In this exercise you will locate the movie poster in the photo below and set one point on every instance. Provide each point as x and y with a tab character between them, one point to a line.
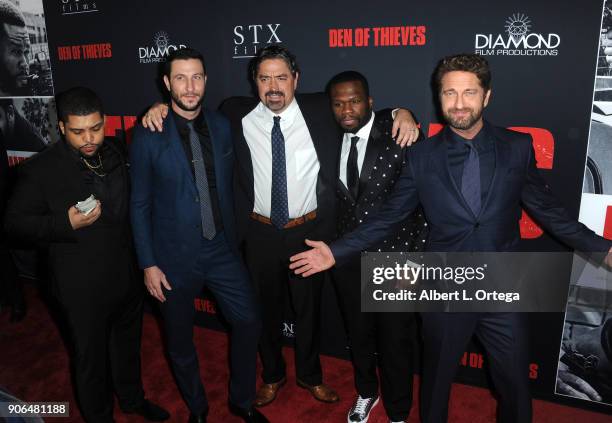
28	120
585	358
26	85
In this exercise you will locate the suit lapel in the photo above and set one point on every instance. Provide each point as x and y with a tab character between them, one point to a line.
245	162
217	147
440	162
174	139
374	148
502	152
319	138
241	147
340	184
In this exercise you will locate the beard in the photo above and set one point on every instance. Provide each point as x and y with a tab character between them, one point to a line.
275	105
463	123
361	122
177	99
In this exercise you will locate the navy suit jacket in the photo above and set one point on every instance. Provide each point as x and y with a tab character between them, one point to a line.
165	211
426	179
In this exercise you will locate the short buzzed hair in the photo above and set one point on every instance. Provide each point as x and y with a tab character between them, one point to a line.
77	101
472	63
348	76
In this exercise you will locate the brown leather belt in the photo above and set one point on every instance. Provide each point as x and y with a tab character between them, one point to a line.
292	222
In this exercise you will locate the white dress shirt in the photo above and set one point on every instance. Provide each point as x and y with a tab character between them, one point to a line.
300	156
362	144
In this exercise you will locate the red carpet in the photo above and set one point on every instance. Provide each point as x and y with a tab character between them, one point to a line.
34	367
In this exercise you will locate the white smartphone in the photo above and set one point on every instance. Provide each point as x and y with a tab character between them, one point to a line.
87	205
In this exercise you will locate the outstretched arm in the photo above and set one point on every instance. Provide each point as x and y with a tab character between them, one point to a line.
401	203
550	213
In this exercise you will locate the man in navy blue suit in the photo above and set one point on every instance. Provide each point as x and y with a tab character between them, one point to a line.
183	223
471	180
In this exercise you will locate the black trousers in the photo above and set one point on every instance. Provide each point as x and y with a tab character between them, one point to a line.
11	286
219	269
267	252
505	338
377	339
106	337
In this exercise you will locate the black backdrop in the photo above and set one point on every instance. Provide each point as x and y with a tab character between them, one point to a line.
115	48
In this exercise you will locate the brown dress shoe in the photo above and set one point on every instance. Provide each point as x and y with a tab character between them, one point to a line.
267	392
321	392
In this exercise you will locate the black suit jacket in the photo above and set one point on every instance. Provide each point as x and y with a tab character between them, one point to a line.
426	179
324	133
94	262
382	166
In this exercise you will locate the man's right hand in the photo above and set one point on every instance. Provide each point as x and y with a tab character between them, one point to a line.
154	278
315	260
79	220
570	384
154	118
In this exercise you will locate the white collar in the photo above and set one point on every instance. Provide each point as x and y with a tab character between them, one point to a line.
287	116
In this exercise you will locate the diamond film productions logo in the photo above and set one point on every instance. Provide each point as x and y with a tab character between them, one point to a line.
160	50
248	39
74	7
518	40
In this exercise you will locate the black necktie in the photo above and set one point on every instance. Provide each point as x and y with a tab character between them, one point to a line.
279	207
201	179
470	180
352	170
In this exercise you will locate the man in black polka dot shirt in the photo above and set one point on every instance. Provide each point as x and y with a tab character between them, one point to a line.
370	163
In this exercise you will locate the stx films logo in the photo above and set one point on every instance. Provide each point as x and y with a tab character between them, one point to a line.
518	40
73	7
248	39
160	49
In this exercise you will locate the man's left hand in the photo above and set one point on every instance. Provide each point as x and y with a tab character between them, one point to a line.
405	130
608	259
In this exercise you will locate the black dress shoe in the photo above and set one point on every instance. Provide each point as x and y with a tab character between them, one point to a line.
151	412
198	418
251	415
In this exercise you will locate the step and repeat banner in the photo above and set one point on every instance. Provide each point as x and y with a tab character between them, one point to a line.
551	78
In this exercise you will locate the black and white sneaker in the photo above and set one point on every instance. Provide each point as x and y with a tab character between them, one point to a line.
360	411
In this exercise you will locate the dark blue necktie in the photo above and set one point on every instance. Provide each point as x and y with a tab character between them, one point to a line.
470	180
279	213
201	179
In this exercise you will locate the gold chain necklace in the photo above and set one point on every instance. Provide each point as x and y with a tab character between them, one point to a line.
93	168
